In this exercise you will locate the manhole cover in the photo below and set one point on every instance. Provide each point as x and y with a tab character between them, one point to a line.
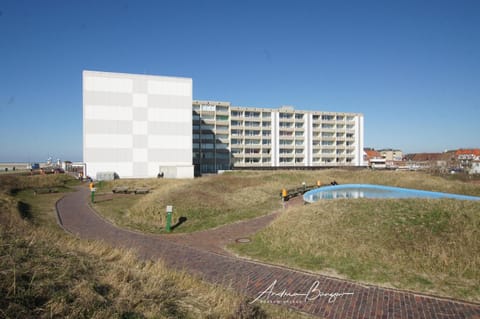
243	240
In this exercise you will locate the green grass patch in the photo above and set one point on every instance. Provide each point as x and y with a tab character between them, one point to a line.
418	244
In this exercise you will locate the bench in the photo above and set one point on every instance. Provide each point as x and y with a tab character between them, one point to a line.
143	190
120	189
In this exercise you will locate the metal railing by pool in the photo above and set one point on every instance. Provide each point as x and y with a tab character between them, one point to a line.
375	191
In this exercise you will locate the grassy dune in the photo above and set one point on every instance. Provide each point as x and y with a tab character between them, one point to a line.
46	273
424	245
213	201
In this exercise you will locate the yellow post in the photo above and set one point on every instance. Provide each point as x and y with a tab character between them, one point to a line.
319	183
284	193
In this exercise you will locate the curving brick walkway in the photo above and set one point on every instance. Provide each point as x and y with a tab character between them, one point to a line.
319	295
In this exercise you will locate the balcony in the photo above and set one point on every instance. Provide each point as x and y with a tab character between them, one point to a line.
222	123
222	110
250	124
222	141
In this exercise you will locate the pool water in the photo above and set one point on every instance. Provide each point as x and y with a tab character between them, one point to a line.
375	191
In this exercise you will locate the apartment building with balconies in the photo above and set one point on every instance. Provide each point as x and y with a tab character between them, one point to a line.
211	136
142	126
265	137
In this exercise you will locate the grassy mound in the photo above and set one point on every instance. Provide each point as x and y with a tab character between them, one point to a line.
423	245
46	273
217	200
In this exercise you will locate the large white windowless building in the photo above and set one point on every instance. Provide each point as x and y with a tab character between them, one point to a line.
137	125
142	125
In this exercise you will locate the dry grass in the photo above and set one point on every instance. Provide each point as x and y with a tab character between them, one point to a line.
206	202
45	273
213	201
423	245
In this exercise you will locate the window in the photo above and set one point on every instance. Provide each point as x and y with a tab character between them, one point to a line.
222	117
285	151
252	124
286	116
237	132
222	108
207	146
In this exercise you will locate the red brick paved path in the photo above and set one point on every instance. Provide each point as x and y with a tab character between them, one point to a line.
251	278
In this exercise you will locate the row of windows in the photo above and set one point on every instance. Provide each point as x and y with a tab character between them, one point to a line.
211	155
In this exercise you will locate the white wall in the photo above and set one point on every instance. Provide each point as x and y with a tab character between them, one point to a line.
359	161
134	124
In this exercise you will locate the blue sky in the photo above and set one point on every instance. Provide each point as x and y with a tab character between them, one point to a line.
411	67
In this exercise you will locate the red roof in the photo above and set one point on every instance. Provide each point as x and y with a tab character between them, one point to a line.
373	154
474	151
424	157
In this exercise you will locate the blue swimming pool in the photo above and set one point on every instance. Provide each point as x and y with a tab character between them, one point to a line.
375	191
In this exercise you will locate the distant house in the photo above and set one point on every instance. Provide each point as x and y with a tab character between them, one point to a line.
426	160
374	159
468	154
475	169
391	154
467	157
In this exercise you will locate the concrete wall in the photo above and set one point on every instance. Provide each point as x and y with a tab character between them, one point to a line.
135	124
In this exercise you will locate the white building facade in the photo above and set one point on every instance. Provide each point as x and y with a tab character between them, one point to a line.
227	136
140	126
137	126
